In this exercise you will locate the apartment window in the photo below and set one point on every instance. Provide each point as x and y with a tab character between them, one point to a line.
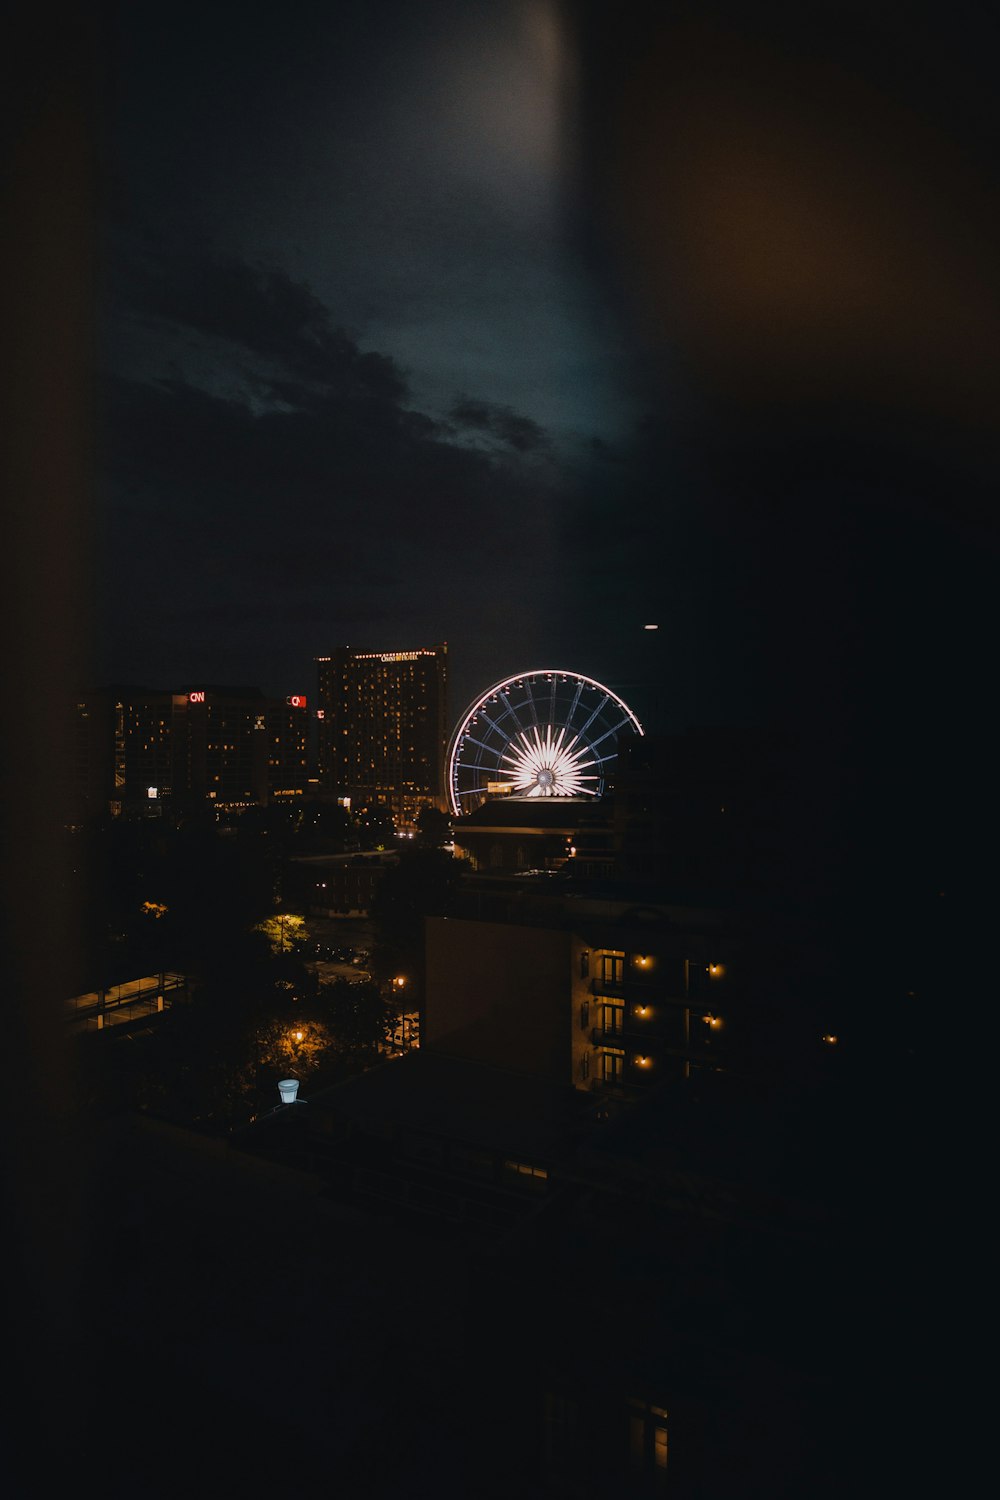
612	1016
612	967
526	1172
612	1065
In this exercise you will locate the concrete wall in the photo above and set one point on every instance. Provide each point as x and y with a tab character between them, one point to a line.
500	993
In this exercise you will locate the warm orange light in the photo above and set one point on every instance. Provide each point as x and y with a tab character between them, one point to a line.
642	1062
831	1041
716	971
299	1035
641	1010
713	1021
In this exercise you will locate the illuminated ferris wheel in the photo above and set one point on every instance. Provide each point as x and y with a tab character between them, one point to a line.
539	734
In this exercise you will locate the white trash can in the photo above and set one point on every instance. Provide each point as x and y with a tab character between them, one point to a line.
288	1088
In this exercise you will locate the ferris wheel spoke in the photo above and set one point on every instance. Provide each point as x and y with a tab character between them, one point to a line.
495	727
620	725
598	710
532	707
471	740
513	713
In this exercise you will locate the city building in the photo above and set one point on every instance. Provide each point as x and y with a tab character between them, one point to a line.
382	729
597	990
138	751
517	834
336	885
288	748
119	753
220	750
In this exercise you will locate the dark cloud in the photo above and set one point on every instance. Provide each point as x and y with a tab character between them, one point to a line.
265	311
295	494
267	482
516	431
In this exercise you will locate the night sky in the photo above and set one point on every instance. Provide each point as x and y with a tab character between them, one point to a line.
524	326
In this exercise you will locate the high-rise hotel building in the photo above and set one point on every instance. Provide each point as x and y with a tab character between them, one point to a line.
383	728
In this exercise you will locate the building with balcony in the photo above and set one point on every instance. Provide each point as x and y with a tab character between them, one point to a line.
599	992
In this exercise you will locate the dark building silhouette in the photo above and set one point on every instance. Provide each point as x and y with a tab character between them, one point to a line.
514	834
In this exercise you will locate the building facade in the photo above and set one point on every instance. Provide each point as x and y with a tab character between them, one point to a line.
138	751
287	748
597	993
220	747
383	728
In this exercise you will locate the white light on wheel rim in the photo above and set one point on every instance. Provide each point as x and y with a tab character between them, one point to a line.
540	734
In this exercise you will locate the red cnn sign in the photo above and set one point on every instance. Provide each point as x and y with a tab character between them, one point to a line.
196	697
297	700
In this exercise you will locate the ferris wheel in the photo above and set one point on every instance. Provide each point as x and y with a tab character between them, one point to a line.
539	734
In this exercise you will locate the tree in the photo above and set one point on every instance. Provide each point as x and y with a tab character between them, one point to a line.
433	827
294	1047
376	827
421	885
285	932
360	1017
325	827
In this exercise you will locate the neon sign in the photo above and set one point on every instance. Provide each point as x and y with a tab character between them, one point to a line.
198	697
297	700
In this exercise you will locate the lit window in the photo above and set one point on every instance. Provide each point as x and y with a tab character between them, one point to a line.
612	967
648	1440
612	1016
612	1064
525	1169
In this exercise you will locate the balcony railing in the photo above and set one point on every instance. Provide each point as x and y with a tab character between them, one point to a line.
649	986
